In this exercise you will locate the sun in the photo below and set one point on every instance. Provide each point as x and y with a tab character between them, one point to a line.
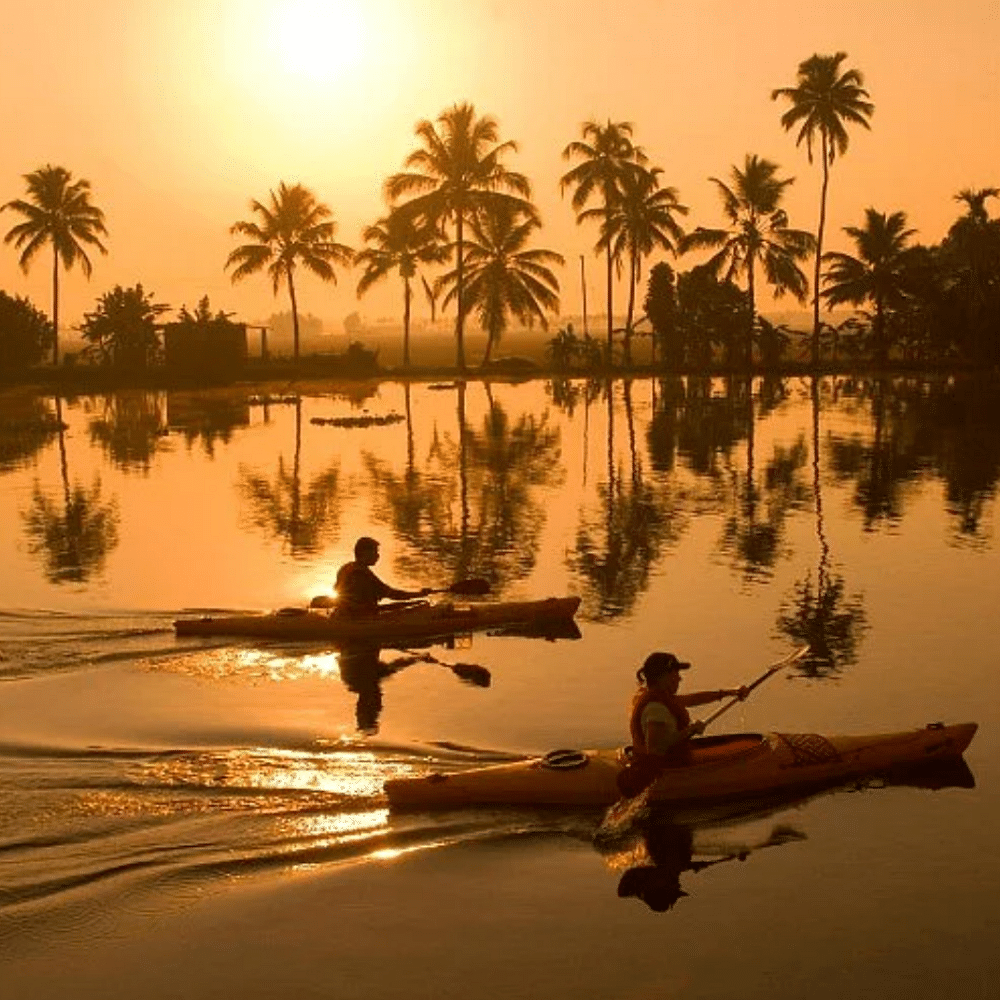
319	40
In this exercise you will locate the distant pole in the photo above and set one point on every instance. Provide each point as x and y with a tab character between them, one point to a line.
583	286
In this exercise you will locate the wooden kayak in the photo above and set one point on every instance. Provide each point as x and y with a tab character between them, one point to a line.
423	620
722	767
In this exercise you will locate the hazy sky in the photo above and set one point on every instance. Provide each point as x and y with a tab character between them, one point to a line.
180	111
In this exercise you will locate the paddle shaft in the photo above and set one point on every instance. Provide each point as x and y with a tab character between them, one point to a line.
770	672
473	587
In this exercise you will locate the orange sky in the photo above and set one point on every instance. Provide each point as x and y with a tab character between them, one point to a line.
180	111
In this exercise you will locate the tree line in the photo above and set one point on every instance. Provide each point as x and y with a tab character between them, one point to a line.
456	205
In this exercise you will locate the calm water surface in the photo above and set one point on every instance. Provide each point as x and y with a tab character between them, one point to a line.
148	782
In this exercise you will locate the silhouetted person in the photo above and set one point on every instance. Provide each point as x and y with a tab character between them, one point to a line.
359	590
660	724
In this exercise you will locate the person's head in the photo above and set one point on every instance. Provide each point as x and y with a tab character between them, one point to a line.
662	670
659	888
366	551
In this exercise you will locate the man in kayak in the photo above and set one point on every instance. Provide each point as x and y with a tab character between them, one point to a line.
359	590
660	724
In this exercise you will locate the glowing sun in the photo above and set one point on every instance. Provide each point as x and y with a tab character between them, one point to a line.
320	40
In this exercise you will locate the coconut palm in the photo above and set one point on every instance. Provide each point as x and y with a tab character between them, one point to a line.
878	274
758	231
638	222
455	174
971	252
503	278
293	230
58	210
606	154
823	102
398	243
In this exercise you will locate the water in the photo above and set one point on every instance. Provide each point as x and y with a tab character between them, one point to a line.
212	806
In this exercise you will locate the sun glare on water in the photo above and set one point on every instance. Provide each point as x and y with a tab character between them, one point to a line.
319	40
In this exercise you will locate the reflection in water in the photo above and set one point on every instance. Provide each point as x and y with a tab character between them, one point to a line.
473	507
668	852
208	417
132	427
948	427
825	619
278	506
27	425
363	670
662	844
75	536
617	547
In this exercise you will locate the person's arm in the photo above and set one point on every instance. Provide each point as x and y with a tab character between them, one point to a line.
394	594
706	697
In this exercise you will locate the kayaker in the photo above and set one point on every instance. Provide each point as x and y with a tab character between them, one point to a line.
359	590
660	724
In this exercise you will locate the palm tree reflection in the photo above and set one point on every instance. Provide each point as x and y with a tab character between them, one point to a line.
302	520
473	508
617	547
75	536
825	618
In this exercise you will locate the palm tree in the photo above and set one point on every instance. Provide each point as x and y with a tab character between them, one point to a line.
454	175
397	243
606	154
58	211
503	278
637	223
878	274
823	101
295	229
758	231
971	252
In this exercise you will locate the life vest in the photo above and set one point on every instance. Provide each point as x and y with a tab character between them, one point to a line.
639	703
643	767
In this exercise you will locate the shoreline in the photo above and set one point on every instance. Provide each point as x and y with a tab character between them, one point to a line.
82	381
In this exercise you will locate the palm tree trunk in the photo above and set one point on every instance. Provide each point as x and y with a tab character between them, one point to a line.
583	289
463	478
751	295
819	249
610	311
406	322
881	353
55	305
460	289
295	316
633	278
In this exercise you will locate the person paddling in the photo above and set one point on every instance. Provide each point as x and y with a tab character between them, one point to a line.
660	724
359	590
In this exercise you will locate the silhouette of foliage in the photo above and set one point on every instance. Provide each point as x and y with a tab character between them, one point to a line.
26	335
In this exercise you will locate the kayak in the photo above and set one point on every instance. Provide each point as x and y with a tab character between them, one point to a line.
722	767
413	621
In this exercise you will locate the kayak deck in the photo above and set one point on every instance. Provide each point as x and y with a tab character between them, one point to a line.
721	767
424	620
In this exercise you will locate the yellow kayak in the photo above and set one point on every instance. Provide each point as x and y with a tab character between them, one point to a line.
417	621
722	767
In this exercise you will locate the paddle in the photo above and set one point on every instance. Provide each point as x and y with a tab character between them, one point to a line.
775	667
474	587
